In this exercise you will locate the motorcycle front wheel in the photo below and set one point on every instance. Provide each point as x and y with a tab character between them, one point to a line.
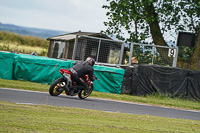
85	93
56	87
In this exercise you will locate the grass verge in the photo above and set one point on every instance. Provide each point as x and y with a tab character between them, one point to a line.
43	118
22	49
151	99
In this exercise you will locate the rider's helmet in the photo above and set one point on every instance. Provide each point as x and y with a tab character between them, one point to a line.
91	61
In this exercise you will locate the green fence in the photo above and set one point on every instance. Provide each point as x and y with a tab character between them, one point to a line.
45	70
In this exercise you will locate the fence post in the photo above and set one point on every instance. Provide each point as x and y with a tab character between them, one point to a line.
130	55
121	53
153	55
175	58
98	51
75	47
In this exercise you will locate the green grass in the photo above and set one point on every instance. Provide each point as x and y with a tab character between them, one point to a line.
22	48
151	99
42	118
18	84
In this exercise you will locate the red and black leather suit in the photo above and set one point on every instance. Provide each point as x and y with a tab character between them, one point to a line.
79	70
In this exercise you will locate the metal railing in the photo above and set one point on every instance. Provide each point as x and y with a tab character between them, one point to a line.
102	50
153	54
111	52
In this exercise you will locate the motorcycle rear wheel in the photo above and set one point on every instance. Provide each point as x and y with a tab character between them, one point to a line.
56	87
83	94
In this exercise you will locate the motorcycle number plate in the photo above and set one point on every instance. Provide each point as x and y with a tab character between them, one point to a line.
67	76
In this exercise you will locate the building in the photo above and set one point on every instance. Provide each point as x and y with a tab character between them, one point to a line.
80	45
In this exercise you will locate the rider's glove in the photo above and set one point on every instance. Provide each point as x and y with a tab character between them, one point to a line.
95	77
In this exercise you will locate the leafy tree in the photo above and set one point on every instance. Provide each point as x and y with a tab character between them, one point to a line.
153	18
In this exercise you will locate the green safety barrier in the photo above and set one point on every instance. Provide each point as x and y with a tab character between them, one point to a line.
38	69
110	79
45	70
6	65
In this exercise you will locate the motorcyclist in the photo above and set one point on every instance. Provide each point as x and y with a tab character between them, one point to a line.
79	70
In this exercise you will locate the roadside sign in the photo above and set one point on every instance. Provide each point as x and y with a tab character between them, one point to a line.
172	52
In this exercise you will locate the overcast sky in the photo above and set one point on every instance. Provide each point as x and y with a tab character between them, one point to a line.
65	15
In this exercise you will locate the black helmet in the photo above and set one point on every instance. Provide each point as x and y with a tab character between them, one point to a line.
91	61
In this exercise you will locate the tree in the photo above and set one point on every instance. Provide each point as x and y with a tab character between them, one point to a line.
153	18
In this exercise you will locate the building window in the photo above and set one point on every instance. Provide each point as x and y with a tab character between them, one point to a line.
58	49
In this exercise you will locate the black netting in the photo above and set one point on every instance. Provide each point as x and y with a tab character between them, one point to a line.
174	82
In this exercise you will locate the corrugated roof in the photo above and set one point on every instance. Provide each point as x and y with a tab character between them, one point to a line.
63	37
71	36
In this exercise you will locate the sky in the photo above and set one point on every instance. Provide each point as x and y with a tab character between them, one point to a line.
64	15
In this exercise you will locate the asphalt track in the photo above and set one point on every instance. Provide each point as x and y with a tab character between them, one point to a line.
38	98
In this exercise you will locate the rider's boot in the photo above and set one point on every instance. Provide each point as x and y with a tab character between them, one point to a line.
86	90
77	88
72	90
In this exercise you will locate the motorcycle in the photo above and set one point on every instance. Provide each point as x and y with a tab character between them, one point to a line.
66	82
